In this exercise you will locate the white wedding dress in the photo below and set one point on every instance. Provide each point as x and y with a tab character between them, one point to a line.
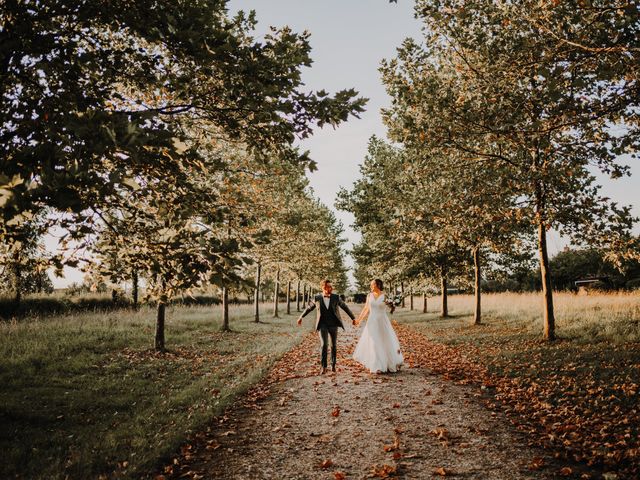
378	348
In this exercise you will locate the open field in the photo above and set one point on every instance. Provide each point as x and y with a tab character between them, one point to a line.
84	394
578	395
600	317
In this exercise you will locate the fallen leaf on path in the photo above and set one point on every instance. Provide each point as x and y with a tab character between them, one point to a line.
395	445
339	476
443	472
326	463
566	471
383	471
336	411
441	433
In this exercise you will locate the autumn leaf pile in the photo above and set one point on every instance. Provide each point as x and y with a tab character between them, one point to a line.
580	401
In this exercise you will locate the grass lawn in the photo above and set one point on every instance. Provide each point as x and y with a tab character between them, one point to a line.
581	393
84	394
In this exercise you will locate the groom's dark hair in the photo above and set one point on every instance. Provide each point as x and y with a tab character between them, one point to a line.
324	283
379	283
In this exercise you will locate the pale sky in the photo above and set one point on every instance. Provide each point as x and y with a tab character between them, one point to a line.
349	38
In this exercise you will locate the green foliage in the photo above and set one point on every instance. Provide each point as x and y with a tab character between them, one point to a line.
24	260
395	210
93	95
513	106
571	265
116	119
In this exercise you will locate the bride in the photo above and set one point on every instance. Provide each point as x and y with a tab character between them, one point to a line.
378	348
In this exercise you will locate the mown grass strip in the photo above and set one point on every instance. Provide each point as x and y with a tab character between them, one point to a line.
85	395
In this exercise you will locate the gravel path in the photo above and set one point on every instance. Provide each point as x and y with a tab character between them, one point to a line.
352	424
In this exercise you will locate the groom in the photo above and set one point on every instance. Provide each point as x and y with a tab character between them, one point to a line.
327	321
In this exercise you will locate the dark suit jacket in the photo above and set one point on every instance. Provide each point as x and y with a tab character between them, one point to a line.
334	302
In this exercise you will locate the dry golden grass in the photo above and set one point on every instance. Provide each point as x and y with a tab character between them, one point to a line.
614	316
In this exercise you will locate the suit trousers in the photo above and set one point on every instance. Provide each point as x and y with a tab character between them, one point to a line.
324	333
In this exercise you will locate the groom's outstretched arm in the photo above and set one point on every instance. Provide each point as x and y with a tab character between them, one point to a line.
344	307
309	309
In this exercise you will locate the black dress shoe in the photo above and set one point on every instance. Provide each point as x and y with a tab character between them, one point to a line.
333	368
323	370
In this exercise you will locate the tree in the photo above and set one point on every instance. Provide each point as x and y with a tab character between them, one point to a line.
94	95
24	261
495	89
401	239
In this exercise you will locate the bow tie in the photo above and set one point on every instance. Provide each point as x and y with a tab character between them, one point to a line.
327	296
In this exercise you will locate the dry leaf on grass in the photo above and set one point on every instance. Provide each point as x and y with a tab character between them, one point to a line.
537	463
566	471
336	411
339	476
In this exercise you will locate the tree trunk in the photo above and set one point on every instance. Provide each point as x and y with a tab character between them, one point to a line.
159	340
134	288
402	293
298	296
17	283
478	278
547	292
444	311
225	310
411	298
424	302
39	280
289	297
304	297
257	297
276	294
114	295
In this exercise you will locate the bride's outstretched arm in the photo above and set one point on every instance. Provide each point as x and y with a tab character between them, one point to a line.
363	313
